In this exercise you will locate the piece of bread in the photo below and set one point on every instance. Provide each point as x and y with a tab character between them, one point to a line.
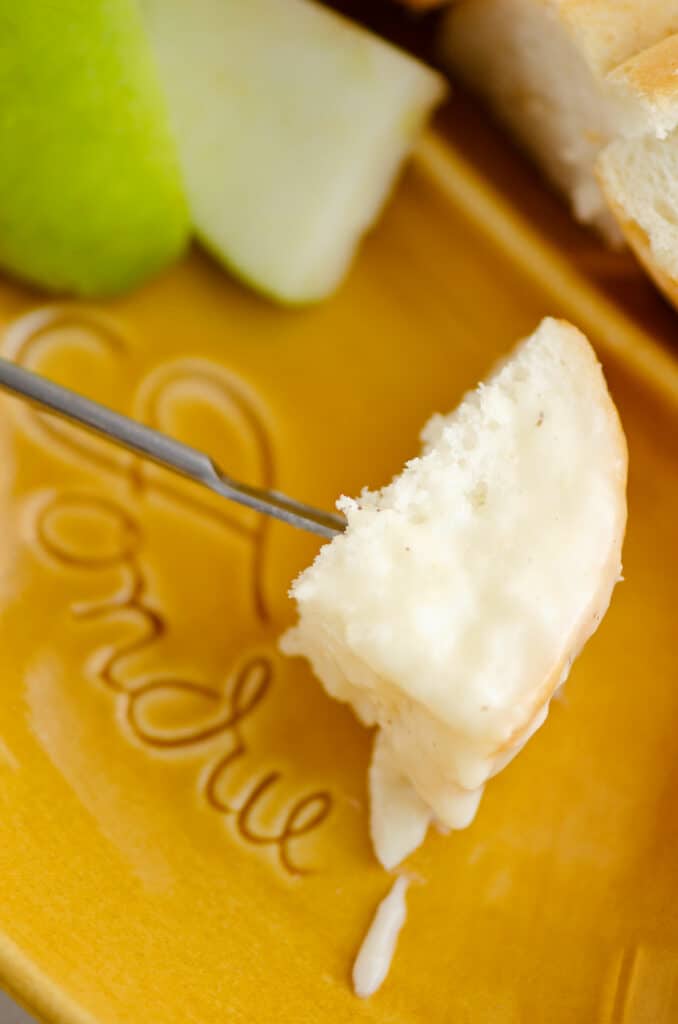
452	607
641	185
609	32
568	77
639	178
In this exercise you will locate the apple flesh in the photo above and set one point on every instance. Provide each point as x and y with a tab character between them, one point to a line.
292	124
91	197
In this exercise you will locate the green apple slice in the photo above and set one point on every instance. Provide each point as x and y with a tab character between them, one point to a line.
91	197
292	123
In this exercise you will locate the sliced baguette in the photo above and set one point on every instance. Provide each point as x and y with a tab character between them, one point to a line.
640	182
452	607
639	177
568	77
609	32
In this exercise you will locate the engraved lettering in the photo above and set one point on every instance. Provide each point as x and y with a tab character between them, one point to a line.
248	686
28	338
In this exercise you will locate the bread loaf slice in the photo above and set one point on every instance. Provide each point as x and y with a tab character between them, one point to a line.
641	184
639	178
452	607
568	77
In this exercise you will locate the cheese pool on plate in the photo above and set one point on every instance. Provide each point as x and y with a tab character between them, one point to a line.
376	953
451	609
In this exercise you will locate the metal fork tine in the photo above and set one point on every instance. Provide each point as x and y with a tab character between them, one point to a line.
162	449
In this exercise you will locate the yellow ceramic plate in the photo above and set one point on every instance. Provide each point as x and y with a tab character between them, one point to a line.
184	831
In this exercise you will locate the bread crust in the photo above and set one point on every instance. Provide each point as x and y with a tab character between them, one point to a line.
610	32
631	51
610	573
652	72
640	243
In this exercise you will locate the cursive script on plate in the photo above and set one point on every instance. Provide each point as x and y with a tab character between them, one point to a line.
229	708
45	330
